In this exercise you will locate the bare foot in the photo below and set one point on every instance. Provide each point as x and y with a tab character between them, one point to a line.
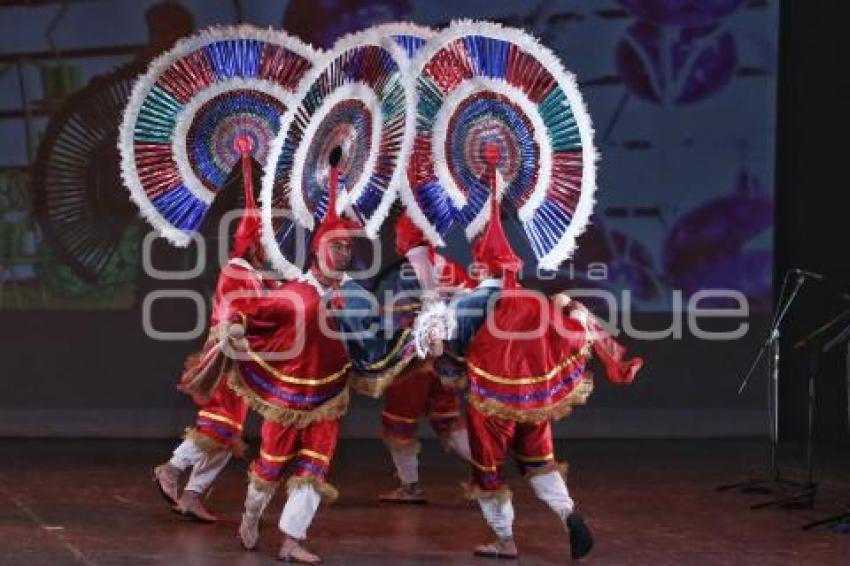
189	505
292	551
167	479
498	549
409	493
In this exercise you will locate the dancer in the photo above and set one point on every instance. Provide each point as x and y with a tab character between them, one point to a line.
424	276
526	358
210	103
217	434
303	397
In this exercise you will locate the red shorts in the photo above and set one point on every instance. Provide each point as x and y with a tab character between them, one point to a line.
490	438
416	395
311	448
222	418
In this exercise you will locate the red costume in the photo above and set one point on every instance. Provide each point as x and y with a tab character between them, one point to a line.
218	424
223	412
526	366
303	394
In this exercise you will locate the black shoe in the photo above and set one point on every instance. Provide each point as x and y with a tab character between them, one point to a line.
581	541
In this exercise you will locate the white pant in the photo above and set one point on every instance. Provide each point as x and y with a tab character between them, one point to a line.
186	454
406	460
499	514
298	513
406	457
205	465
458	442
552	490
549	488
256	501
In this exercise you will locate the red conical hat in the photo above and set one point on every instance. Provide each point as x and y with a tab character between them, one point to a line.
249	229
492	248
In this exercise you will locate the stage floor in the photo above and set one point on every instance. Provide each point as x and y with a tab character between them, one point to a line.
92	502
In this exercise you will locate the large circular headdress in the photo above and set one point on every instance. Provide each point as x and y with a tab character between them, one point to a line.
75	174
198	104
480	83
359	98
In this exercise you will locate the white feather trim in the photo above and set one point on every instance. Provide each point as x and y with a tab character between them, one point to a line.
267	213
351	90
404	189
143	86
567	82
382	36
435	315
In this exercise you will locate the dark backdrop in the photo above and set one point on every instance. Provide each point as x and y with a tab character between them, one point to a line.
812	224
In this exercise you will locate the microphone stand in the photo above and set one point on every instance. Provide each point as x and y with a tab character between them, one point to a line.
774	481
842	337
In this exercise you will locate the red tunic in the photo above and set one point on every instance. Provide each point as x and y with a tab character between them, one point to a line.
238	283
527	361
294	370
205	372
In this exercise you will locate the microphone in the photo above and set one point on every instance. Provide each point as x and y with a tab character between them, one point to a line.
810	274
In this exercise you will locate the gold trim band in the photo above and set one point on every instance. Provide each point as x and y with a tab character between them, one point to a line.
297	380
583	353
270	458
314	454
219	418
380	364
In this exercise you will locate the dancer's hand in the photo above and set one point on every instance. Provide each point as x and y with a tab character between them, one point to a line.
236	331
236	336
435	341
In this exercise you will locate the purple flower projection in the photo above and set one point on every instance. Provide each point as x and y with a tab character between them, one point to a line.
696	13
675	66
677	52
628	265
725	243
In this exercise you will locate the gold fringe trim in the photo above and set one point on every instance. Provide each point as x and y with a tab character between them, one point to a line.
561	467
375	385
204	442
262	484
559	410
328	492
333	409
474	493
